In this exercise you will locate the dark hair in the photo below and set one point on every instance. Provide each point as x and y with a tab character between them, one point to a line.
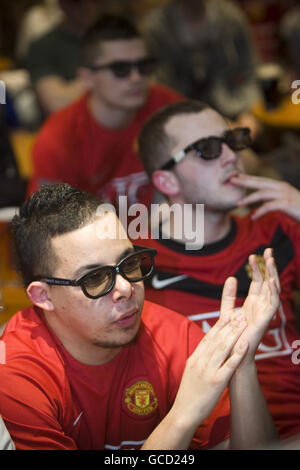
154	143
107	28
53	210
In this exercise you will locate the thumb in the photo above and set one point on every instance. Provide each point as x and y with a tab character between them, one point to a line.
228	296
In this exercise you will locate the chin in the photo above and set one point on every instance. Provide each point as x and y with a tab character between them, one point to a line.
117	343
224	205
135	101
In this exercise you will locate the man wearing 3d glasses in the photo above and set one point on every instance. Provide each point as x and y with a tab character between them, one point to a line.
194	157
92	143
92	365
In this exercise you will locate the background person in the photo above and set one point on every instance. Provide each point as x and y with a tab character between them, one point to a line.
53	59
92	143
194	158
206	52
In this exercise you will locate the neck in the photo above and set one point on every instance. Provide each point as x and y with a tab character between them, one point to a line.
197	227
108	116
217	226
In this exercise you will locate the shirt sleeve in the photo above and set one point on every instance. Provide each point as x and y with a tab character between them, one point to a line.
53	157
33	409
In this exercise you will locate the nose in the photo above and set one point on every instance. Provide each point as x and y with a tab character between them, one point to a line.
123	289
228	155
135	74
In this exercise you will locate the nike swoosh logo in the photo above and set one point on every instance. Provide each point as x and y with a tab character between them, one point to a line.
161	283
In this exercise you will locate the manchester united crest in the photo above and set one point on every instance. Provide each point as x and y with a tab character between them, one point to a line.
140	398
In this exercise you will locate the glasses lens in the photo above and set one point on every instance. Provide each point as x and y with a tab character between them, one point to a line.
210	148
137	266
146	66
238	139
98	282
121	69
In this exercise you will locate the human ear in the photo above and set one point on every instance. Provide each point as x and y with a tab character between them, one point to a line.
38	292
166	182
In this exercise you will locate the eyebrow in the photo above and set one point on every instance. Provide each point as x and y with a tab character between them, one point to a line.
90	267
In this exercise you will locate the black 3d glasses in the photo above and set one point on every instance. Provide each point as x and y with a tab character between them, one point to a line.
123	68
210	148
135	267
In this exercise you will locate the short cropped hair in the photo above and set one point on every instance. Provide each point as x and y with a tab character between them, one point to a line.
154	143
107	28
53	210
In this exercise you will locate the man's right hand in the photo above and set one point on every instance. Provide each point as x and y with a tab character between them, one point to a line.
207	373
210	368
273	195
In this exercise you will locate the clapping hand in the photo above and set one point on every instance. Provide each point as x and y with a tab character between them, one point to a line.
261	303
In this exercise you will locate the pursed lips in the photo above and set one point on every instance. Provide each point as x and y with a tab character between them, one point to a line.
126	315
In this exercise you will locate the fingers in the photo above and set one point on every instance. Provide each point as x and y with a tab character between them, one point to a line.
255	182
257	277
228	297
267	189
271	269
258	196
226	339
275	205
271	286
275	195
259	280
234	360
217	344
231	351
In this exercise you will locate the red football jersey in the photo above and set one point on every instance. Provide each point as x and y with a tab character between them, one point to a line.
191	283
49	400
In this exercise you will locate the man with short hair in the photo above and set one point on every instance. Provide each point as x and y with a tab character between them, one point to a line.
194	157
91	365
92	143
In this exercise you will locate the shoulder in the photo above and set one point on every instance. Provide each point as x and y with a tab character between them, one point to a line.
32	370
48	39
65	119
274	229
268	222
27	340
35	392
44	43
